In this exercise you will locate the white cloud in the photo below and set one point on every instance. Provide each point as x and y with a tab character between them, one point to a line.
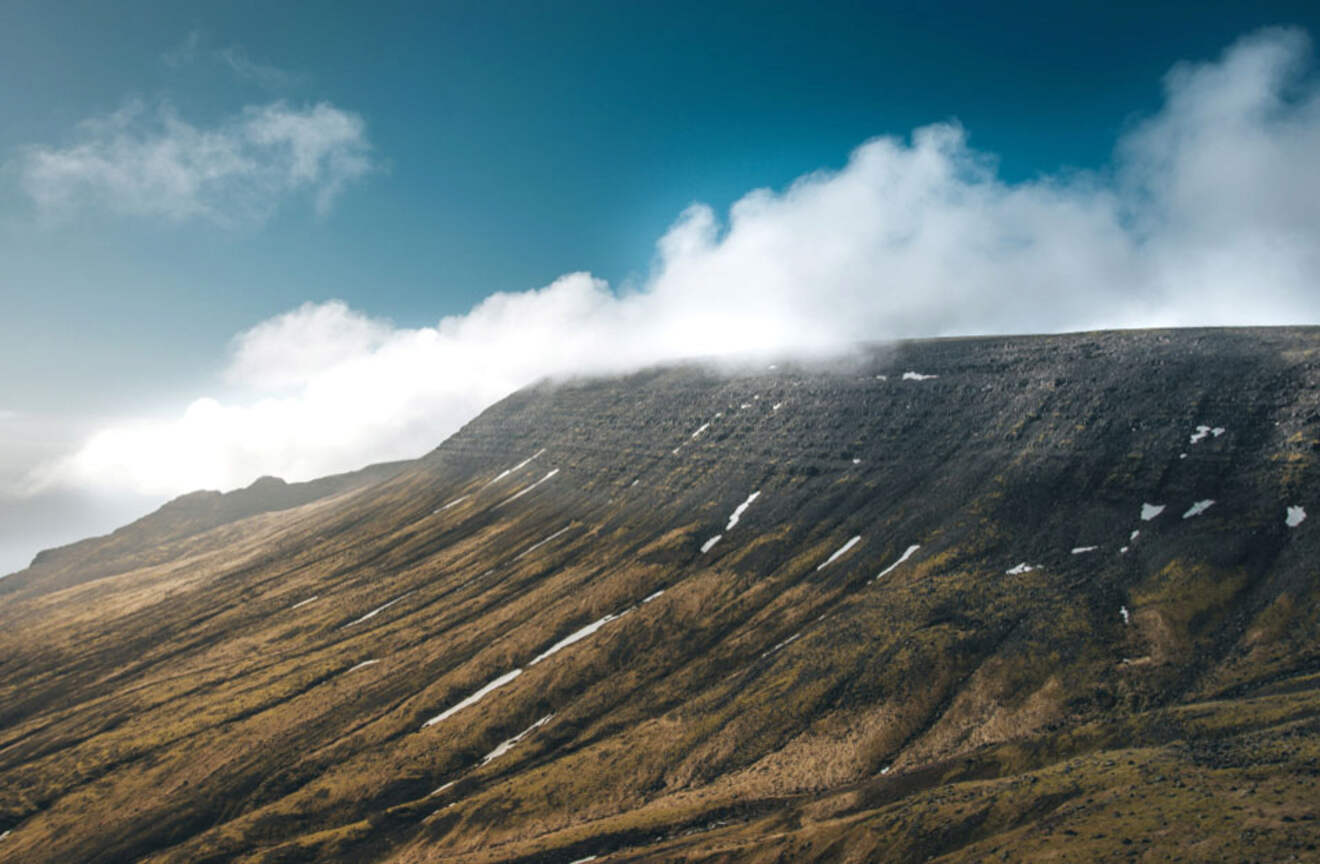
1210	214
192	49
263	74
148	161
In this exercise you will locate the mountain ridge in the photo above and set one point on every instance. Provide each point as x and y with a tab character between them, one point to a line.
186	515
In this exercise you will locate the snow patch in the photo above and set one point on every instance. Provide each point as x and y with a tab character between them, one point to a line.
363	665
741	509
1134	535
1150	511
775	407
474	698
523	464
576	636
1082	550
302	603
1123	613
518	495
917	376
518	467
792	638
440	789
1202	431
710	544
1024	567
839	552
452	503
651	597
702	428
379	609
506	746
536	546
1295	516
907	553
1199	507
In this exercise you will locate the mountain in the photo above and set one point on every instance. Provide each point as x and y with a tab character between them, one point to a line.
156	537
1015	598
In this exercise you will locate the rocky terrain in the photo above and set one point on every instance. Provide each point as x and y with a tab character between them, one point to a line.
1020	598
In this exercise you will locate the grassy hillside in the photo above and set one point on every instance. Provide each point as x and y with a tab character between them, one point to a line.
1027	598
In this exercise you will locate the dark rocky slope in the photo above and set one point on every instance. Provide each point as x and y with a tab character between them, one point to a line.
792	695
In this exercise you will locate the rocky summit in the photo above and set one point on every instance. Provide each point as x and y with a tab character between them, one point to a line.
1038	598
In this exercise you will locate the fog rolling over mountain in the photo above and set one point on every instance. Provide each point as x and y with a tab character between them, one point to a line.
965	600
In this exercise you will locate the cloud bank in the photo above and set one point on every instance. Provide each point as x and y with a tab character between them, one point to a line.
1208	214
146	161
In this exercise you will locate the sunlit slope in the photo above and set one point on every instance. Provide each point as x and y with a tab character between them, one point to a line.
162	535
928	628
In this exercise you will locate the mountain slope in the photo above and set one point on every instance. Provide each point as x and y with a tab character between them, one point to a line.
927	629
156	536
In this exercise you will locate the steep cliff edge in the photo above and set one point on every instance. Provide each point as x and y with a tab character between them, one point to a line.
1005	598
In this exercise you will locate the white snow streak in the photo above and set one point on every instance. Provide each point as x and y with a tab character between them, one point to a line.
517	495
651	597
363	665
519	466
379	609
474	698
506	746
917	376
1082	550
523	464
741	509
1024	567
301	603
702	428
1199	507
452	503
536	546
1123	611
710	544
839	552
1203	431
907	553
782	644
576	636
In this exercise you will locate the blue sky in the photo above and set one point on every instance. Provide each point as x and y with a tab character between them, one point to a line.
499	146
